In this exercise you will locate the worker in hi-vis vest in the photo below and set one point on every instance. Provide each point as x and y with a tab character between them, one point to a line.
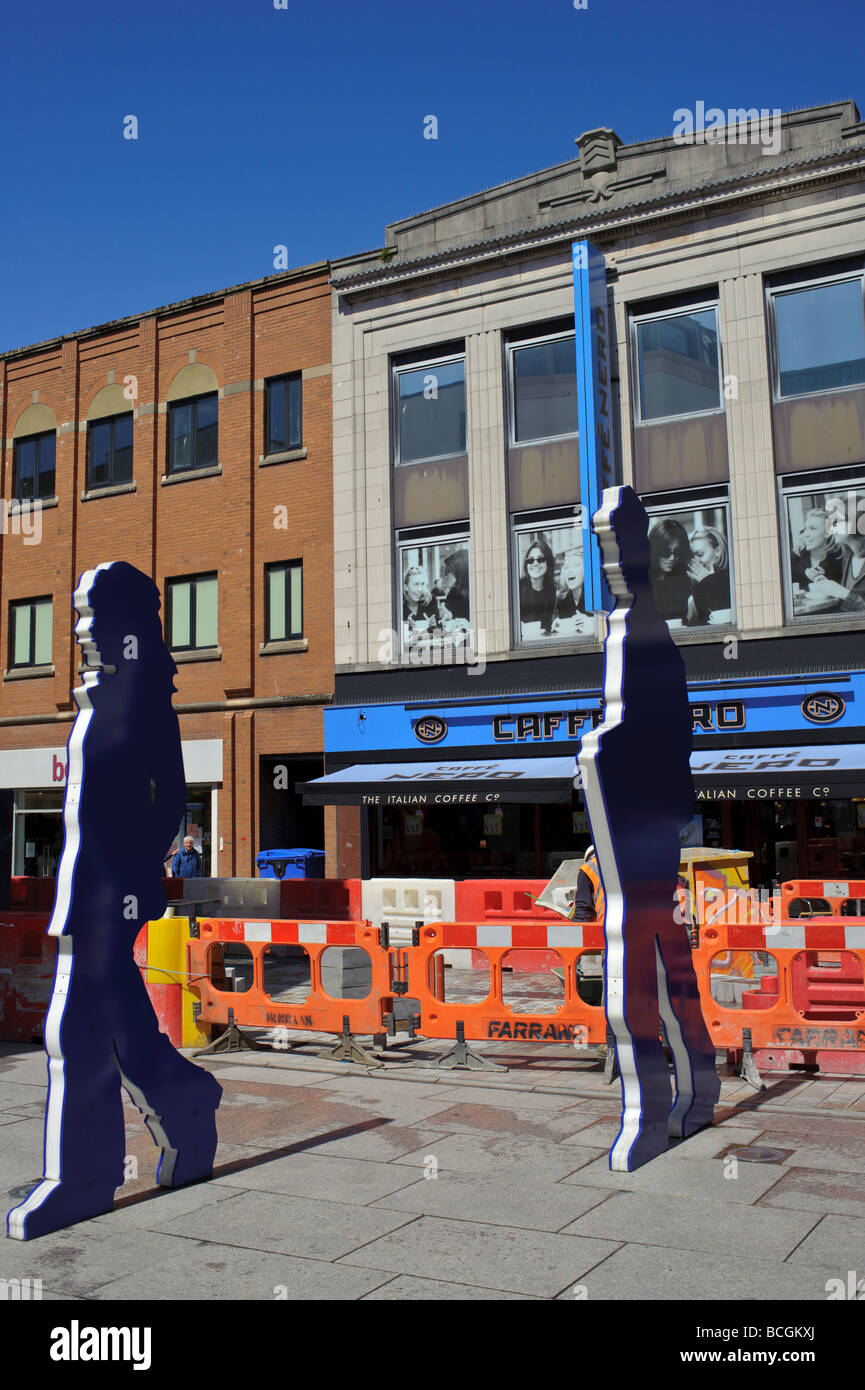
588	903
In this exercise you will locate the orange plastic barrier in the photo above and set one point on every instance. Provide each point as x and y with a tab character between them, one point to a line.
804	1002
506	900
492	1019
319	1012
840	894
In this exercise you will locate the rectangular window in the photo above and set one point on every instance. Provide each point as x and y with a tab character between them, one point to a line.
678	363
823	528
548	579
34	466
283	414
690	559
30	633
192	433
431	410
819	336
543	387
284	601
109	451
434	595
191	612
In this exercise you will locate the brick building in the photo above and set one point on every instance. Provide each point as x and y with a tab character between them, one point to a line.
193	441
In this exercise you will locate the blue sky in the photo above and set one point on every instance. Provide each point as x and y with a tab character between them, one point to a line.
303	126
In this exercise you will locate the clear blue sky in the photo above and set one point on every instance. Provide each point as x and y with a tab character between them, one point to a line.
304	126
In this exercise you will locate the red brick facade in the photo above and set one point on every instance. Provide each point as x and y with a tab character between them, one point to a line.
233	523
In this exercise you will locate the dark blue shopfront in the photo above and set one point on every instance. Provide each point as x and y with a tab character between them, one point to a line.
461	788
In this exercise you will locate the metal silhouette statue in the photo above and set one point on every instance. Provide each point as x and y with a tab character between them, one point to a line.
637	781
125	797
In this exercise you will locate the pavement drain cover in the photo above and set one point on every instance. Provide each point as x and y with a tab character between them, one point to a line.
23	1192
752	1153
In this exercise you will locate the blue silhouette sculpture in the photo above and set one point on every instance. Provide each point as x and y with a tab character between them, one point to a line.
125	797
639	793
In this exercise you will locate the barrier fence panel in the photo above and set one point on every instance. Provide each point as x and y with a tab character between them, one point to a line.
254	1007
492	1019
800	1001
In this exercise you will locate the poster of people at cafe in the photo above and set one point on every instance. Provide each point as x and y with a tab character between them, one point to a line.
826	552
435	597
690	566
548	562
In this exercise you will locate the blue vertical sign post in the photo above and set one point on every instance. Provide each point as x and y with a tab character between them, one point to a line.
595	410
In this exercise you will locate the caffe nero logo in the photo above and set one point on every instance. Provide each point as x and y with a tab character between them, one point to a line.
823	707
431	730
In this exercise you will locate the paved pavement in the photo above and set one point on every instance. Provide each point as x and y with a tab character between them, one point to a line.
413	1183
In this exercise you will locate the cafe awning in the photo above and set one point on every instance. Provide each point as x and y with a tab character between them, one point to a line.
742	774
444	783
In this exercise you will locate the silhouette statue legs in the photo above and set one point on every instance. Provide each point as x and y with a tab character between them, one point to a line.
94	1050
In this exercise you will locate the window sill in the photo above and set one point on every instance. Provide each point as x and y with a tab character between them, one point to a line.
25	504
27	673
289	456
189	474
112	490
297	644
200	654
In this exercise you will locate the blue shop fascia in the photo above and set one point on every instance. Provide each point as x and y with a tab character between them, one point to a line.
465	772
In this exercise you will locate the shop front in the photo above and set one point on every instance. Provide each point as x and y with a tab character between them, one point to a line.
465	789
36	778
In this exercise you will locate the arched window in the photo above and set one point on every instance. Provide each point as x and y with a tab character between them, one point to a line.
193	413
34	454
109	439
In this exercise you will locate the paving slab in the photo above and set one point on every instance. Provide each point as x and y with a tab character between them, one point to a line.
837	1243
839	1153
660	1275
80	1259
382	1144
219	1273
406	1288
689	1178
495	1257
502	1200
502	1118
17	1093
285	1225
648	1218
490	1154
353	1180
801	1189
708	1143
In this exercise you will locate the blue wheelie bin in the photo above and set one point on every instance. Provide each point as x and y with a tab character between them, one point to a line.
290	863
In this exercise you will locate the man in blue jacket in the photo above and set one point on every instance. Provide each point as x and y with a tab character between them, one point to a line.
187	861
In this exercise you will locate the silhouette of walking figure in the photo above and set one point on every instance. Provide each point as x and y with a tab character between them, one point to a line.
125	797
639	793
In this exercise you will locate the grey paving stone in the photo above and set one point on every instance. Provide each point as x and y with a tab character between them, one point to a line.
353	1180
80	1259
285	1225
162	1206
407	1288
507	1199
801	1189
363	1086
647	1218
384	1144
661	1274
688	1177
214	1273
837	1243
16	1093
465	1115
598	1134
842	1154
709	1142
494	1257
490	1155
